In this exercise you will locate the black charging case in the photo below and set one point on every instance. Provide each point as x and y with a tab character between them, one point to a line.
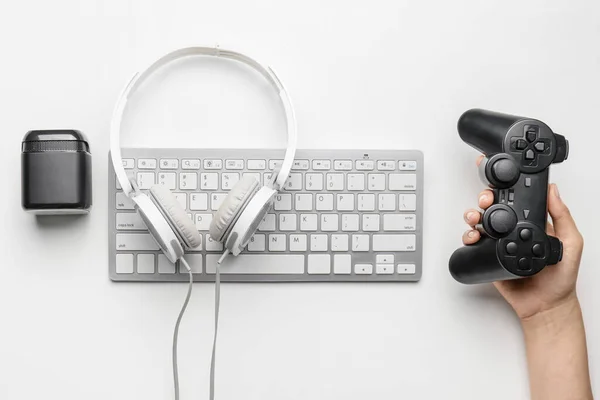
56	172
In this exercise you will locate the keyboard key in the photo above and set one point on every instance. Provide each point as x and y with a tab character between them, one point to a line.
182	199
386	165
319	264
255	175
298	243
308	222
345	202
408	269
130	175
300	164
135	241
402	182
324	202
376	181
188	181
203	221
321	164
304	202
268	223
386	202
407	202
360	242
356	182
294	182
164	265
275	164
146	163
283	202
169	163
198	201
350	222
384	258
342	165
342	264
190	163
257	164
287	222
123	202
399	222
366	202
314	182
128	163
407	165
209	180
365	165
145	263
394	242
370	222
124	264
318	242
258	264
168	180
213	163
234	164
339	242
277	242
363	269
213	245
216	199
130	221
335	181
145	180
384	269
257	242
195	263
229	179
329	222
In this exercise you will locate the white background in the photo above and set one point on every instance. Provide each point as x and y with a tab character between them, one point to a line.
377	74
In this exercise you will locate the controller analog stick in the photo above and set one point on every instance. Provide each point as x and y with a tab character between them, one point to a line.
502	222
505	171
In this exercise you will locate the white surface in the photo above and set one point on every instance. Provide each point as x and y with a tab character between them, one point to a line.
377	74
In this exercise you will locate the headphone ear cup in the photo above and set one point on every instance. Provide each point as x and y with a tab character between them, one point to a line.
232	207
176	216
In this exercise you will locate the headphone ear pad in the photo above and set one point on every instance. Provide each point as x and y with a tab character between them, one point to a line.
176	216
232	207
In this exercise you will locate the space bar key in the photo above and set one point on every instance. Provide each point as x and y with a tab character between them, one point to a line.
251	264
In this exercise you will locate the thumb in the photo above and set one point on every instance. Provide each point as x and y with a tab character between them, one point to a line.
564	225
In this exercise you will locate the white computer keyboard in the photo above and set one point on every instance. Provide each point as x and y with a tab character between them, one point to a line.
345	215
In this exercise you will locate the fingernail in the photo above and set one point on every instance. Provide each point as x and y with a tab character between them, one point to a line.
482	198
470	216
471	234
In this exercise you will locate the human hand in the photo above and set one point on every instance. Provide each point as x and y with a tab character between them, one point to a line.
554	285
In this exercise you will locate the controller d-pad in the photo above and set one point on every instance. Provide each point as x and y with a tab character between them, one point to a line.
539	146
531	135
520	144
529	155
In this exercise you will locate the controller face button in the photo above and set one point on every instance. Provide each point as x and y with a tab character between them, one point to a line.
525	234
529	155
524	263
521	144
538	250
512	248
539	146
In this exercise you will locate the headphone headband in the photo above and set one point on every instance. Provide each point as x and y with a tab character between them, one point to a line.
140	77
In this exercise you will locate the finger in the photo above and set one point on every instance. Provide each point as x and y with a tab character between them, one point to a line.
471	237
472	217
564	225
479	159
550	229
486	198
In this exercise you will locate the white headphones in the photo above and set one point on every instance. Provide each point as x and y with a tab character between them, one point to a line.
246	205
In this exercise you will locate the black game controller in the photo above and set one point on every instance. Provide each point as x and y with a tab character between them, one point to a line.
518	153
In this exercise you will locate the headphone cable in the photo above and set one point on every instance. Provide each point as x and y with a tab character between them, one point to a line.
176	331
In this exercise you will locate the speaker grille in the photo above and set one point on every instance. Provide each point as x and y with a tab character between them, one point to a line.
55	145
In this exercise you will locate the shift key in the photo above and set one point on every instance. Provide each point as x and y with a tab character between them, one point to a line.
135	241
394	242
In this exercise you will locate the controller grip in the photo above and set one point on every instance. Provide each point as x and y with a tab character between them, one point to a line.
478	263
485	130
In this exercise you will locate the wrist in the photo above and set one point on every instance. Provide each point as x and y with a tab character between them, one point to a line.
554	320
